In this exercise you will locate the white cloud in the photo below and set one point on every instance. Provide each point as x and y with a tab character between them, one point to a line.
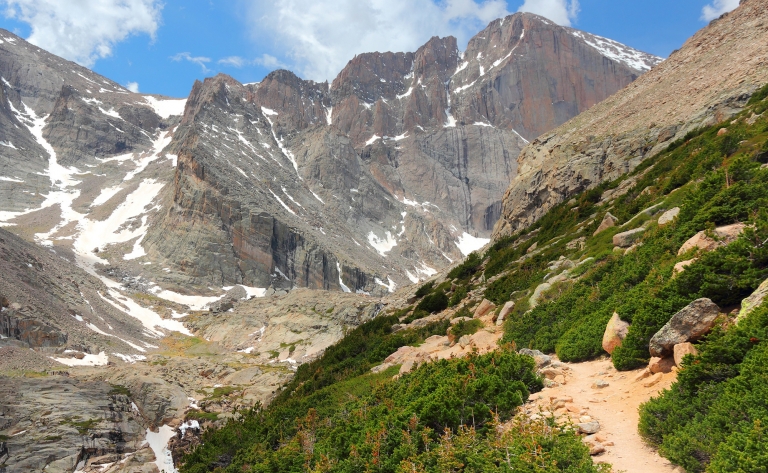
321	36
562	12
717	8
199	60
84	30
270	62
234	61
133	87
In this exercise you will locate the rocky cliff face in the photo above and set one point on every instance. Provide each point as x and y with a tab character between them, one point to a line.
705	82
387	174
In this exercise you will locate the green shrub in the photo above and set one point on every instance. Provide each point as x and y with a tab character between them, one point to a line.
466	327
712	418
467	268
458	295
435	302
440	414
759	95
425	289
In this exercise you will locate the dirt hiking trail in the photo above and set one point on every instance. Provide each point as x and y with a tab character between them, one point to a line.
614	406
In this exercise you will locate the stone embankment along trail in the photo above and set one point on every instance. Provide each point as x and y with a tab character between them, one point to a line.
615	407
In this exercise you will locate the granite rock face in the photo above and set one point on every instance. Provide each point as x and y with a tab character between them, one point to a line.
686	91
392	171
401	158
56	422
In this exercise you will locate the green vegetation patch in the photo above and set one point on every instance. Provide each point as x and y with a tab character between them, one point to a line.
440	417
714	417
466	327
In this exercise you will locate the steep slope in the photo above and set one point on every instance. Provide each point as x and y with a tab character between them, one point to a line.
392	171
707	80
50	306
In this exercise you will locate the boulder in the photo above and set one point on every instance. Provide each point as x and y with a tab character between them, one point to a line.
753	301
464	341
688	325
615	333
669	216
484	307
589	427
539	358
682	349
505	311
680	267
608	222
653	380
540	289
550	373
722	131
600	384
628	238
661	365
721	236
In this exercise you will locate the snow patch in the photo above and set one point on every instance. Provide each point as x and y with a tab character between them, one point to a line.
166	108
461	67
618	52
390	284
467	243
281	202
130	358
373	139
341	283
88	360
158	442
406	94
317	196
9	179
463	87
382	245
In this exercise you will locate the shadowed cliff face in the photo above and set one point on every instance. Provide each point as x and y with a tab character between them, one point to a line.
709	79
380	175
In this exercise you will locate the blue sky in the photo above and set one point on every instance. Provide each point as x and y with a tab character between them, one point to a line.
164	46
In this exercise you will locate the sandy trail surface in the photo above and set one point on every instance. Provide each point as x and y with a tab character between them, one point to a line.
614	406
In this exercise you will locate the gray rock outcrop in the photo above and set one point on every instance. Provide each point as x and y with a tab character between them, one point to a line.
688	325
754	301
628	238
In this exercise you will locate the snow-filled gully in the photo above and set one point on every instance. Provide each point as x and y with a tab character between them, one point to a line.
92	234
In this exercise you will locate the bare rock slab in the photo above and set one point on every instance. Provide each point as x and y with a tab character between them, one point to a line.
753	301
688	325
484	307
669	216
722	236
608	222
628	238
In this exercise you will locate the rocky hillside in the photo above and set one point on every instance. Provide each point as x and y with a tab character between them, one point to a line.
709	79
